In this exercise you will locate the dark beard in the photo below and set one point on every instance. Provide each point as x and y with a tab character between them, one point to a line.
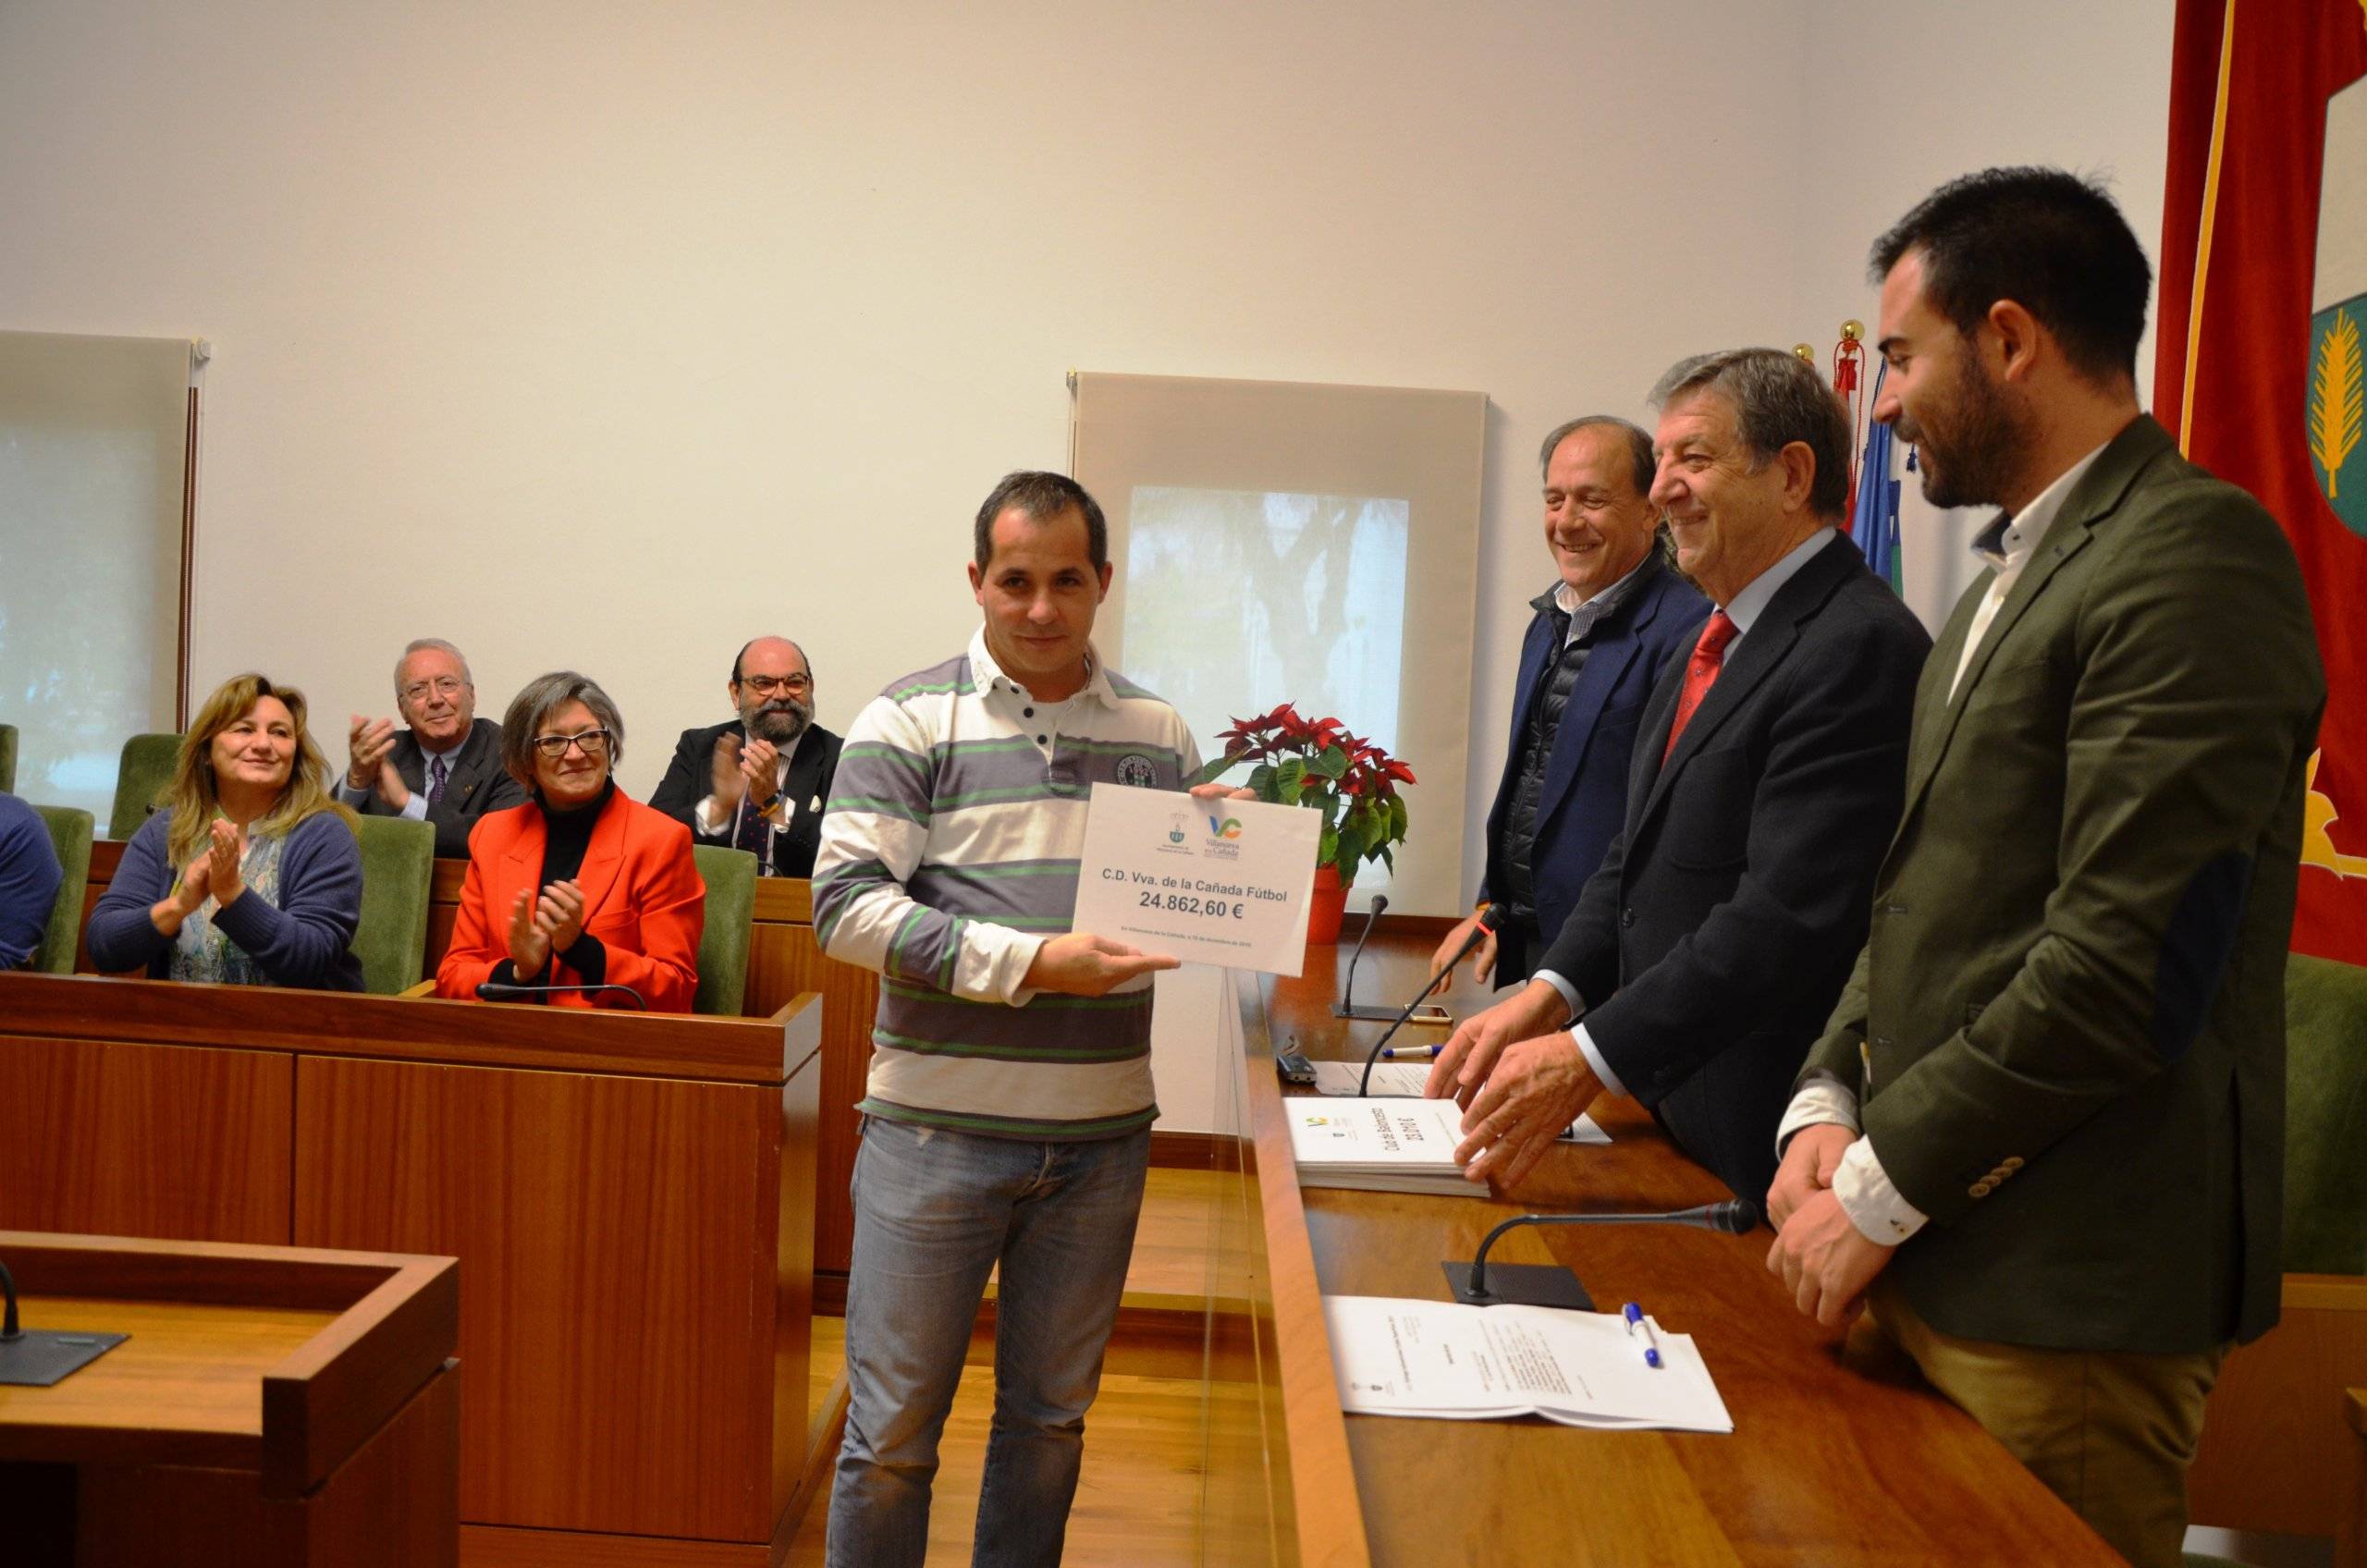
1971	461
780	721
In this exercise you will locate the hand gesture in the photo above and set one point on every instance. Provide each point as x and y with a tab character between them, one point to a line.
530	946
1538	1087
727	782
196	883
560	915
1825	1261
222	877
1810	1160
371	742
1471	1051
757	760
1082	965
1483	957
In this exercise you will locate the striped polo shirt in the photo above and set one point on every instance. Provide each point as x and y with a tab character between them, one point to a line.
949	855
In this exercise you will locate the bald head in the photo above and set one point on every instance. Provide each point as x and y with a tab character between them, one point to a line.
772	686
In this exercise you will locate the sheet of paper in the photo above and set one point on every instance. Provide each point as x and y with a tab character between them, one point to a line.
1405	1080
1222	882
1442	1359
1381	1134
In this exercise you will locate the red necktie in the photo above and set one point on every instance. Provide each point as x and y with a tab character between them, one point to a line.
1709	657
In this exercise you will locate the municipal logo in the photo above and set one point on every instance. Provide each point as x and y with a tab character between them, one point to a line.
1177	826
1228	828
1135	769
2335	401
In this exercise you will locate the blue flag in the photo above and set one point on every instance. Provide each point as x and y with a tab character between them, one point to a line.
1875	521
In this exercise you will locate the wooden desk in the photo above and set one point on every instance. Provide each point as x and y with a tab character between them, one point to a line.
784	962
1839	1455
273	1407
631	1198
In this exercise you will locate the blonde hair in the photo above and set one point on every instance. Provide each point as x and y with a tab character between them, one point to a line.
191	797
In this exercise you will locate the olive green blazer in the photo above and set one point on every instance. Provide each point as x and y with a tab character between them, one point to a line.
2066	1028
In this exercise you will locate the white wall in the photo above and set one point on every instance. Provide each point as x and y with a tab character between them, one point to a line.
610	334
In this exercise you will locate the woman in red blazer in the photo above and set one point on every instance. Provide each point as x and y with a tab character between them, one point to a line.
581	885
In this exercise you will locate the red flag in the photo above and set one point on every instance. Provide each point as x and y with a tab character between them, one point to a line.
2261	356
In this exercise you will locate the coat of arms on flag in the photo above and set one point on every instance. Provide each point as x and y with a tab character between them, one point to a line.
2337	402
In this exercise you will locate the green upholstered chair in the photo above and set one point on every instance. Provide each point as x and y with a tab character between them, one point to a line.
2325	1117
398	864
730	878
7	759
69	831
146	769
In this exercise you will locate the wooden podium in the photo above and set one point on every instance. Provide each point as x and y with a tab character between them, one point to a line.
631	1197
273	1408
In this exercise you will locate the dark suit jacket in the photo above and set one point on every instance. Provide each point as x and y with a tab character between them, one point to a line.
477	784
689	778
642	898
1713	941
2066	1031
1585	799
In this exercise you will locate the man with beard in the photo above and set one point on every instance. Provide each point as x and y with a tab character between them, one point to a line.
2041	1139
757	782
446	768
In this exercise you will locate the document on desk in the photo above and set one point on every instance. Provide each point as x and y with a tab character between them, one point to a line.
1403	1079
1379	1146
1450	1361
1222	882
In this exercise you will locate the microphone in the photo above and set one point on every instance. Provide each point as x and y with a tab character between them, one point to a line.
1346	1007
1489	920
37	1358
494	991
1550	1285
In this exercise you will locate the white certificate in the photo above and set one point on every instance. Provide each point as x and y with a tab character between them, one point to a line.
1222	881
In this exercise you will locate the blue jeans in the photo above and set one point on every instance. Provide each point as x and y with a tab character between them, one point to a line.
934	1212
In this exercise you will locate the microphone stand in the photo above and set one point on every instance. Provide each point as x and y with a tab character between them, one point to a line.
39	1357
1489	919
1346	1007
494	991
1546	1284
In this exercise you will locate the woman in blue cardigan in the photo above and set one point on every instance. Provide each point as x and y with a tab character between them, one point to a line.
251	874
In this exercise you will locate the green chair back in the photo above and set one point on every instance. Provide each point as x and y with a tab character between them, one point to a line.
69	831
7	759
146	769
730	878
397	867
2325	1111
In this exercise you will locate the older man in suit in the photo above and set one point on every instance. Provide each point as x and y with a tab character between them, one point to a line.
758	781
1704	955
446	768
1602	634
2042	1136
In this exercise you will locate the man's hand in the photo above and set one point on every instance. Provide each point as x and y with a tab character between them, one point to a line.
372	744
222	857
1483	957
1082	965
725	782
1825	1261
1538	1088
530	946
558	915
1215	792
758	759
1810	1160
1462	1065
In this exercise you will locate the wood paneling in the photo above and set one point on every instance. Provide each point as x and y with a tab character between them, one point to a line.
134	1140
2274	1454
1838	1455
614	1322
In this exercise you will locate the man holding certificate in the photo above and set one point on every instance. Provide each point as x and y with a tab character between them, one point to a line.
1009	1110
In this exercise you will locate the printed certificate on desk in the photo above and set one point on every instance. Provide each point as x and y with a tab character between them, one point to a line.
1222	882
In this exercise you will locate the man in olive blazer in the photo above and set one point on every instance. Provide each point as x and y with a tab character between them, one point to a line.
2045	1121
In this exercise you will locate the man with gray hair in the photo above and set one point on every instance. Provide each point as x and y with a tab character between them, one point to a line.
446	768
1614	617
1705	954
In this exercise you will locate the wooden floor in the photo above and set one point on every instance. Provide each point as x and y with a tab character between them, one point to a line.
1137	1499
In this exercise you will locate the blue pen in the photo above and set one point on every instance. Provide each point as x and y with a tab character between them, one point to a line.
1429	1053
1635	1320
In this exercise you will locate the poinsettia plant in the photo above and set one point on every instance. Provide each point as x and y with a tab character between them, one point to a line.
1317	763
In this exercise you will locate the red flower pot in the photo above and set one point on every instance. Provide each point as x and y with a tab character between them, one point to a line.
1325	905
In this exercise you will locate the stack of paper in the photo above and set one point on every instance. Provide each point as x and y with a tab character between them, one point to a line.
1405	1080
1452	1362
1379	1146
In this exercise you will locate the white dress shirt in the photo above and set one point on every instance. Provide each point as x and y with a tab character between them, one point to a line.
1874	1205
1743	611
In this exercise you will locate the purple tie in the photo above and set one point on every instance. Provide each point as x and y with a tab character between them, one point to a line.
435	783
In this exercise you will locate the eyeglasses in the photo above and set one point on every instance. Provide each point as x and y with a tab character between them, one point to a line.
766	685
443	686
592	744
